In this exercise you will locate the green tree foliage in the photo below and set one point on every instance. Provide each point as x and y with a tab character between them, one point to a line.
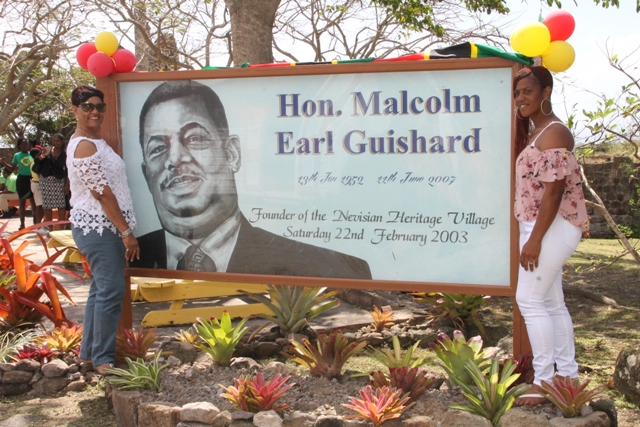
35	36
419	14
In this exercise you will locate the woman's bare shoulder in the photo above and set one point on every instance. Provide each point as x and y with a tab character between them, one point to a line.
556	136
85	148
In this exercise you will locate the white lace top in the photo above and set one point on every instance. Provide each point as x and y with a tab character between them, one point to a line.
104	168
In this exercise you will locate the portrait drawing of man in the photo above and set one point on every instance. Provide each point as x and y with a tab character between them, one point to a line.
189	163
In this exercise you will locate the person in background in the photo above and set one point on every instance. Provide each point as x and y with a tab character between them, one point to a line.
21	165
54	180
7	192
552	215
102	220
35	184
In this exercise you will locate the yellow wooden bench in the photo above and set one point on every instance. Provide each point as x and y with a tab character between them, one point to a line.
179	291
63	238
176	291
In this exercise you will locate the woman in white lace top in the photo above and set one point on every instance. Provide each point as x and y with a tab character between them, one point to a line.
102	219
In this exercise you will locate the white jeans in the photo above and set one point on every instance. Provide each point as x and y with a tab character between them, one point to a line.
541	301
4	200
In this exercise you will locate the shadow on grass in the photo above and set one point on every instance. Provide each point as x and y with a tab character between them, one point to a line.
95	413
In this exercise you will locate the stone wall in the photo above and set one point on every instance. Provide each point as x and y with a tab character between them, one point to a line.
44	379
614	179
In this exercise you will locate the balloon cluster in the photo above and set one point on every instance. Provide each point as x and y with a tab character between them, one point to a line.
547	39
105	56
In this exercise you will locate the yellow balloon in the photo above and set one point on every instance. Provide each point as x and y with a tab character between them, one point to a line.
559	57
533	39
516	40
106	42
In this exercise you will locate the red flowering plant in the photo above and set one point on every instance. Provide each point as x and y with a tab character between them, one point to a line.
43	354
378	405
256	394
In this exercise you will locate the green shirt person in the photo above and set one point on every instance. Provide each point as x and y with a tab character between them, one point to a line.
7	192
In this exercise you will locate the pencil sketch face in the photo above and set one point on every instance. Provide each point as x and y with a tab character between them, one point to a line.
189	168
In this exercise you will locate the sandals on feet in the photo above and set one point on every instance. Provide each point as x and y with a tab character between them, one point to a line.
531	399
101	370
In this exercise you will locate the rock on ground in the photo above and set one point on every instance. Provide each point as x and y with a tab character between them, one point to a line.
626	376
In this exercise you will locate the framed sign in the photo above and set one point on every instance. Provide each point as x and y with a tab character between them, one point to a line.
378	175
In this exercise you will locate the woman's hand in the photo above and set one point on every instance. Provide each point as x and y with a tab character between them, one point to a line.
132	249
529	254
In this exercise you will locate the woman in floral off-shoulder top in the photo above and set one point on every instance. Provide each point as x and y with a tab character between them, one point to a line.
551	211
102	219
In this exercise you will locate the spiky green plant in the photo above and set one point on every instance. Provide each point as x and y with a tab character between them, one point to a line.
220	338
141	374
11	342
294	306
569	395
256	394
494	397
396	358
328	357
455	353
379	405
411	381
461	309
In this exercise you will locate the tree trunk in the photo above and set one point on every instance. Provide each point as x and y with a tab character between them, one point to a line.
252	30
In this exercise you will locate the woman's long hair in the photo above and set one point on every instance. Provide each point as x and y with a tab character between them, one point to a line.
544	79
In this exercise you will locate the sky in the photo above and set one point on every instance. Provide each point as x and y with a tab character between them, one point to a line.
596	29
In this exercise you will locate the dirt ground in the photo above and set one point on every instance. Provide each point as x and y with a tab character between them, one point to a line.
601	329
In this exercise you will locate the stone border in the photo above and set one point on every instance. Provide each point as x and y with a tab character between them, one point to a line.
45	380
133	410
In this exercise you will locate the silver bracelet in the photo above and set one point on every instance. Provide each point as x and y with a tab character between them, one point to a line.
126	233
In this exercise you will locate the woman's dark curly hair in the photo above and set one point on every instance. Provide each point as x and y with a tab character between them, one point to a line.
82	93
544	78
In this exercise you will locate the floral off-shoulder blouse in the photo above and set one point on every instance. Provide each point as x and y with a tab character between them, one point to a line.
534	168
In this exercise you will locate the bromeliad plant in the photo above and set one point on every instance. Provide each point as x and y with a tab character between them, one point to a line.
220	338
21	303
411	381
141	374
396	358
135	345
569	395
294	306
327	358
63	338
524	367
256	395
10	342
379	405
459	308
190	336
43	354
493	397
455	353
381	319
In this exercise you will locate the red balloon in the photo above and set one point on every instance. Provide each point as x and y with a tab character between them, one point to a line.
560	24
125	61
84	52
100	64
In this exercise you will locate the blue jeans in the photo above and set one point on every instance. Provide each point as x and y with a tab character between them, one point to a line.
105	254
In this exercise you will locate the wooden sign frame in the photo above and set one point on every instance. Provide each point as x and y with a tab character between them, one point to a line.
111	132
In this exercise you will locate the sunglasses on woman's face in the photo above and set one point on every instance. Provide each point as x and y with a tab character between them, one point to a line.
88	107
